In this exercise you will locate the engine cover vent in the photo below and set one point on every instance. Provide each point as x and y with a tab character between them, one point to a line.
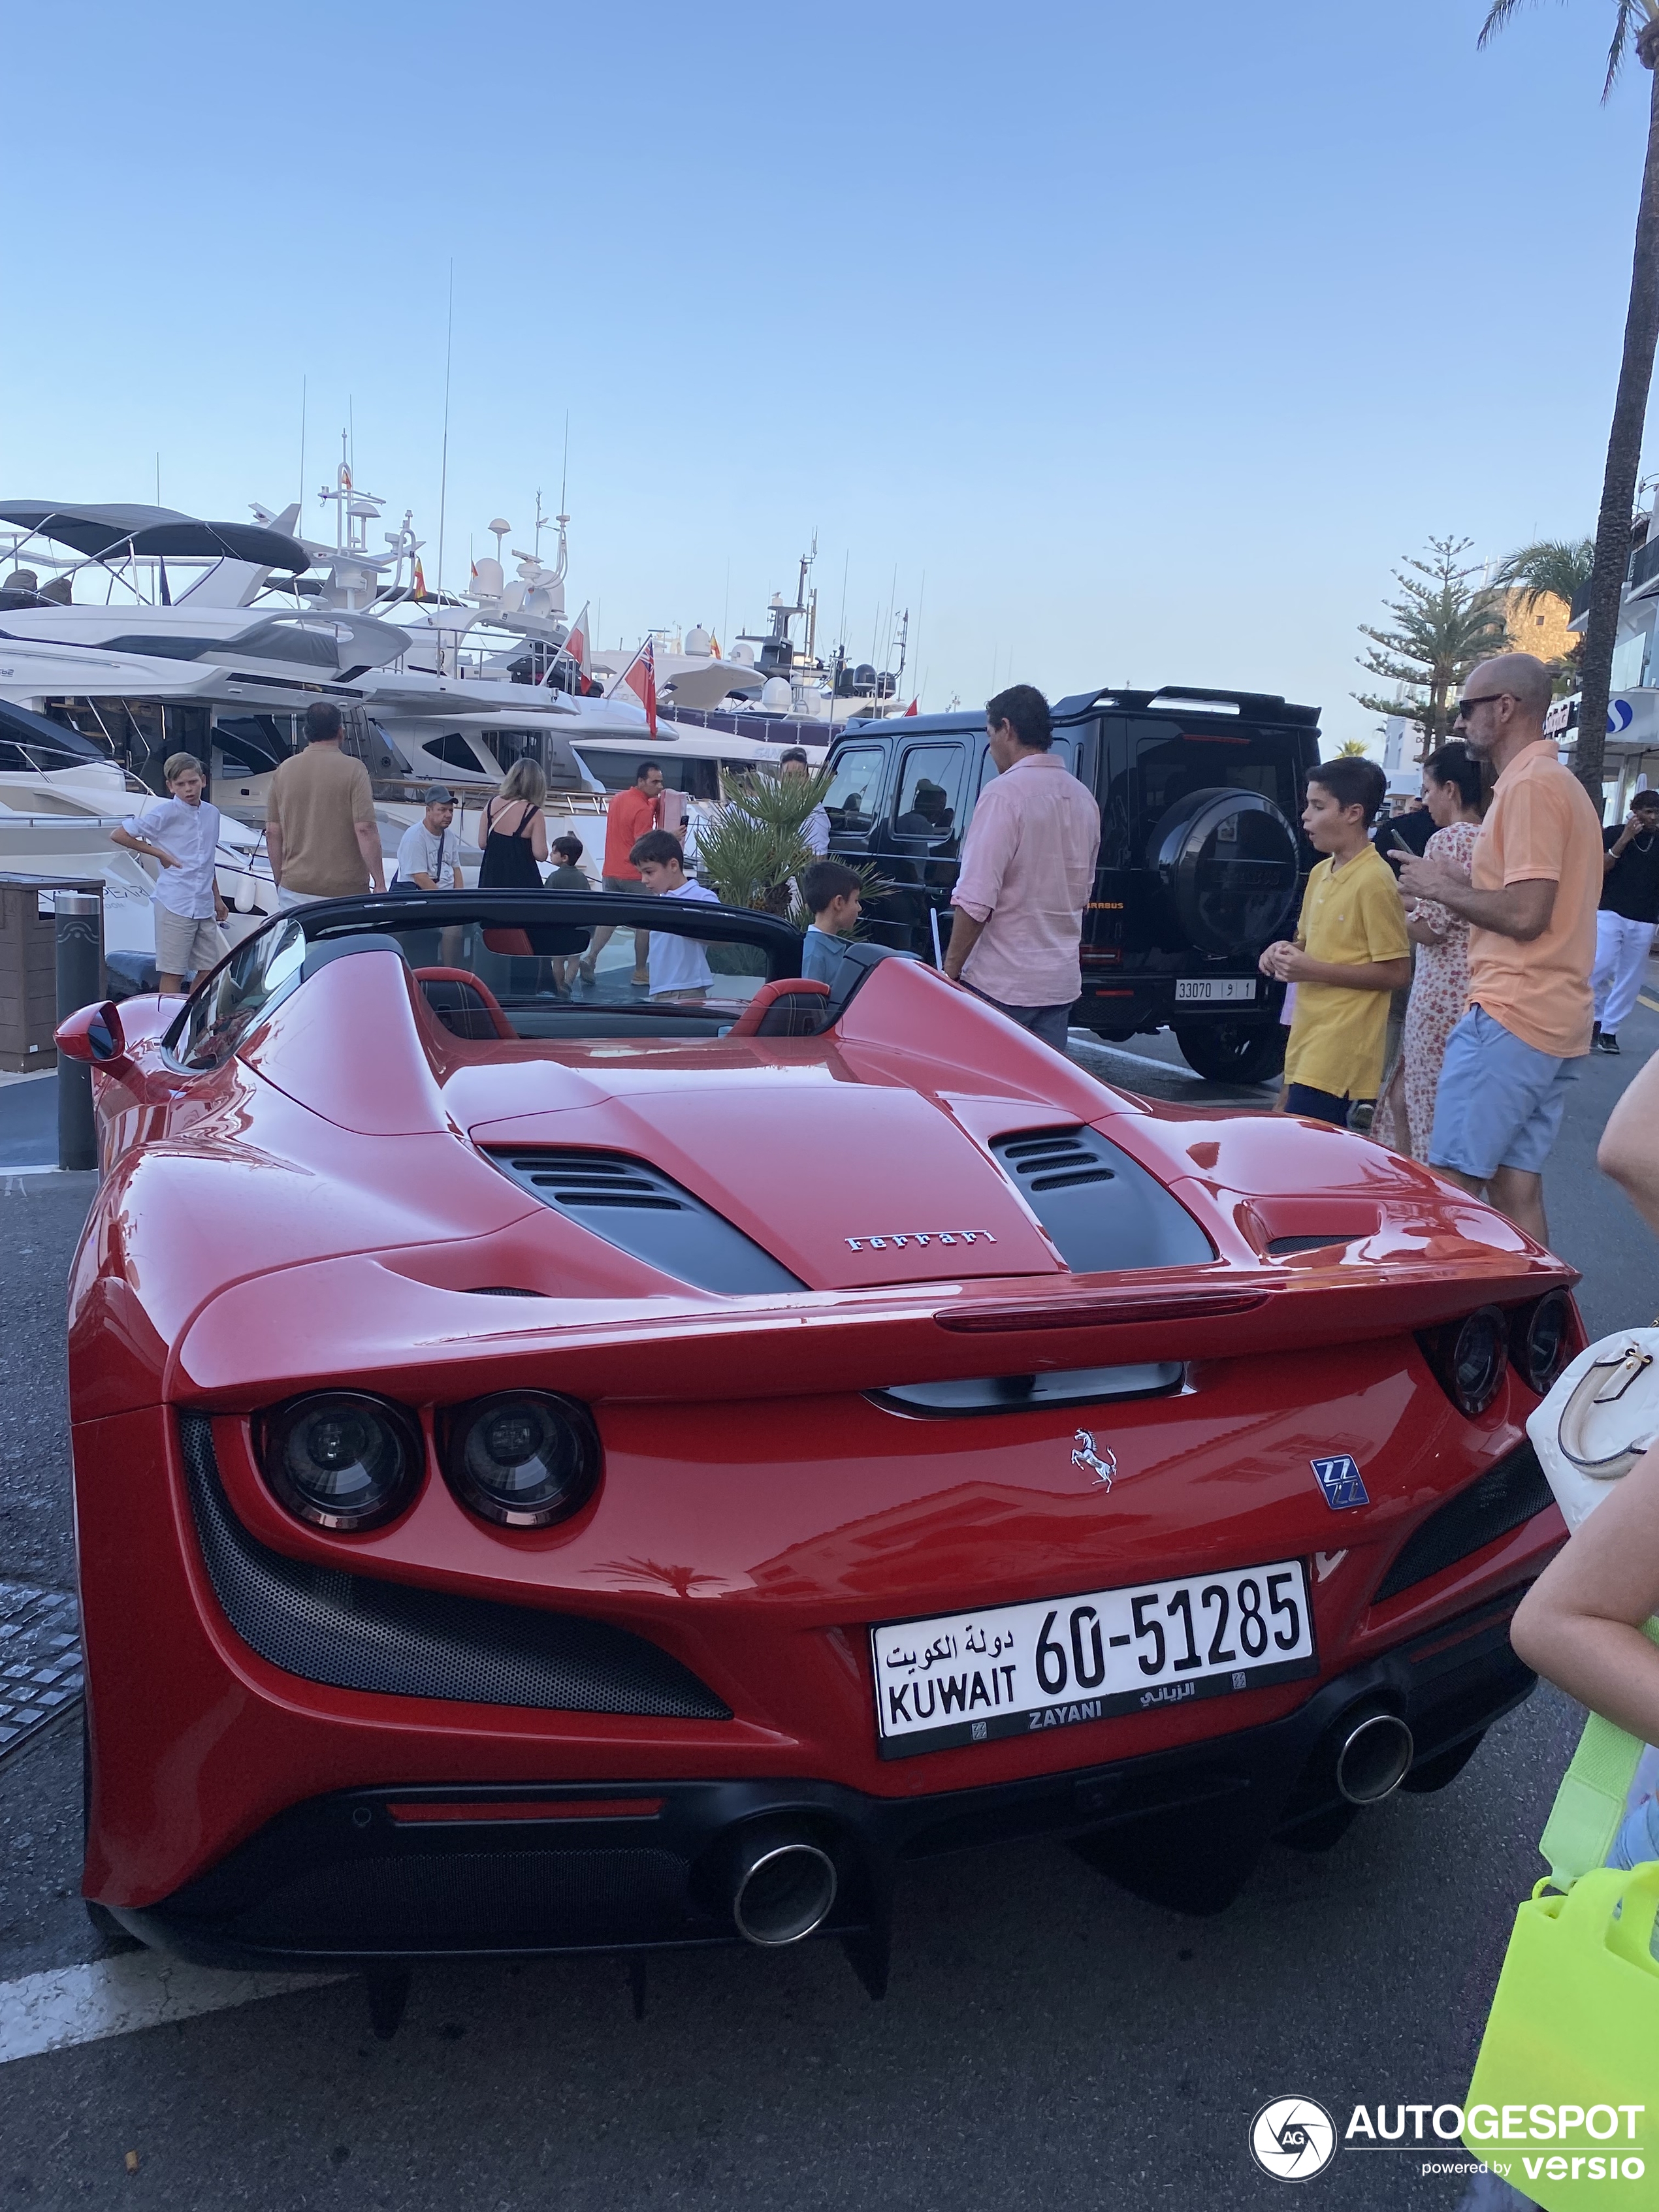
1102	1209
643	1211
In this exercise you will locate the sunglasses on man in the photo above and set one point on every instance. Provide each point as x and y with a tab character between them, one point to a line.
1465	707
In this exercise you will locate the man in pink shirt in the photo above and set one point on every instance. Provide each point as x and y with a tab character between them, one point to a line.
1027	867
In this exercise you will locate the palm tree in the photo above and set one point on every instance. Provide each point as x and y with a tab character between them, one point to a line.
1636	23
1551	569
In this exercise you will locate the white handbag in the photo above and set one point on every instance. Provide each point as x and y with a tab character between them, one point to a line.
1600	1417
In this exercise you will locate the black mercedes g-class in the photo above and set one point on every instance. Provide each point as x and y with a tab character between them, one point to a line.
1201	854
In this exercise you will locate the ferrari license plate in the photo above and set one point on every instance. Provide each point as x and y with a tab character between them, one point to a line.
1018	1669
1213	989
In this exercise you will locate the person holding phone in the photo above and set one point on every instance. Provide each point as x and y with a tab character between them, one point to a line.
1453	800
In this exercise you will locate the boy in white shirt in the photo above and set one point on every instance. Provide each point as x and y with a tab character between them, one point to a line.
182	832
679	965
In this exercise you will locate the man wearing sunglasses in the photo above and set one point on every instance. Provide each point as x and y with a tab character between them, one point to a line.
1531	906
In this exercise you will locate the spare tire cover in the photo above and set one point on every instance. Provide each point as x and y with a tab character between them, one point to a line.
1230	862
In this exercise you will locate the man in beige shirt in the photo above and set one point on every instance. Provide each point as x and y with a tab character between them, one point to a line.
320	831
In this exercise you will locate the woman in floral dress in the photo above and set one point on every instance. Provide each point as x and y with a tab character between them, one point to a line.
1440	986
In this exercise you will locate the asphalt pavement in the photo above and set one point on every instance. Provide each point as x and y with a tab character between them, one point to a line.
1048	2041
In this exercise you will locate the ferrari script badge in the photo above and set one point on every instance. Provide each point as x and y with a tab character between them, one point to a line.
902	1237
1084	1455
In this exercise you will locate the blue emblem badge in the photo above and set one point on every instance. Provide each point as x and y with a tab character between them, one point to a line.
1340	1480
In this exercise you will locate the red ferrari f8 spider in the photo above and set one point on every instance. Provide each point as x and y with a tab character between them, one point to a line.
580	1473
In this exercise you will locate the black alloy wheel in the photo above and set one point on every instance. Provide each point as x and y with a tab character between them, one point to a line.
1234	1052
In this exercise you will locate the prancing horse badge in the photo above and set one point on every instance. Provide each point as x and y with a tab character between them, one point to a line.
1084	1453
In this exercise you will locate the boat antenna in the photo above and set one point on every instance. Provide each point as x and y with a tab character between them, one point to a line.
158	480
302	445
443	469
538	522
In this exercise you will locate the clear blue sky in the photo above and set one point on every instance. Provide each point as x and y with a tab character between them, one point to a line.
1151	336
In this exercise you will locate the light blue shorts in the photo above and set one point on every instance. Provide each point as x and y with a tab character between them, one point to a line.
1500	1101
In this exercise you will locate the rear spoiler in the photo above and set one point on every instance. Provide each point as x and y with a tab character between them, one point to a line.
1188	698
383	1323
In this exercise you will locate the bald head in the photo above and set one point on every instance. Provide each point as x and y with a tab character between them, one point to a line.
1505	701
1522	675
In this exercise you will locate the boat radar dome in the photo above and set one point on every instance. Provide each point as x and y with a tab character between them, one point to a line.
697	639
776	697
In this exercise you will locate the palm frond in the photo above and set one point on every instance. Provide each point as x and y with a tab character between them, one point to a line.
1627	12
1550	568
1497	15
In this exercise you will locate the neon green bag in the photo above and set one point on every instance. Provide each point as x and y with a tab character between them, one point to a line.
1574	2018
1576	2022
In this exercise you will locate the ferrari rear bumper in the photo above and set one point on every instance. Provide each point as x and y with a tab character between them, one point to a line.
385	1875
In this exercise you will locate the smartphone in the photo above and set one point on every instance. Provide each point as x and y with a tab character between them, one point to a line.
1401	843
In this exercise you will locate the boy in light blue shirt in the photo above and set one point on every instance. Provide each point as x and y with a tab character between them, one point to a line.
832	893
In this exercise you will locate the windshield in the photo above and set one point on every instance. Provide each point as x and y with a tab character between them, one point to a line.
493	966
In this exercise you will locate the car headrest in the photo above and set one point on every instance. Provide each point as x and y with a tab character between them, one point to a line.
338	948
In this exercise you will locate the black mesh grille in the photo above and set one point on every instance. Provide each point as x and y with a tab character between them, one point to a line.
634	1206
466	1899
359	1632
1505	1496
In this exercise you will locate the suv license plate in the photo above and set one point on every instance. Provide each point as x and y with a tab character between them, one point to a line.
1017	1669
1210	989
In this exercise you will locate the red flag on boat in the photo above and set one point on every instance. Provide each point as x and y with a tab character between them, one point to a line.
910	710
640	676
420	581
575	644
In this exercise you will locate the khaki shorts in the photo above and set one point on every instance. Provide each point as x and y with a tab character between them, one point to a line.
187	944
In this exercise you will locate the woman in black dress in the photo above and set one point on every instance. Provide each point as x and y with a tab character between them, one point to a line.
513	831
512	835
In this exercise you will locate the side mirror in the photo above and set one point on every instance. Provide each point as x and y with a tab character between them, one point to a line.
95	1034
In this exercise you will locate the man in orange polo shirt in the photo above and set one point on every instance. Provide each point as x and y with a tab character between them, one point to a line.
628	815
1537	881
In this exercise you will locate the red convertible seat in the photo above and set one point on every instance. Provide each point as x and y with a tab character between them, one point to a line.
793	1006
466	1007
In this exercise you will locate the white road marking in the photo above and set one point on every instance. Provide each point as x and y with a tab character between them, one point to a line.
67	2005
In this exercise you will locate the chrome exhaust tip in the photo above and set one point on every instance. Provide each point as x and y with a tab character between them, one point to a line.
782	1889
1373	1757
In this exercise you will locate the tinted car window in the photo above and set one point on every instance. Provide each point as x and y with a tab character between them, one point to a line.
1170	764
854	789
259	975
929	799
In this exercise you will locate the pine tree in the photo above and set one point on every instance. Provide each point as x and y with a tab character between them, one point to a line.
1443	625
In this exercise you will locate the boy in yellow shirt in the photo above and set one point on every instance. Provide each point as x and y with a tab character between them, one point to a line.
1351	950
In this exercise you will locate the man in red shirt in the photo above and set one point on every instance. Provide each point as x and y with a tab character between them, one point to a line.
630	814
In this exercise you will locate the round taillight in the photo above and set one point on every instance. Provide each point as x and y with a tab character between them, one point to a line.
1478	1355
1540	1339
524	1459
342	1460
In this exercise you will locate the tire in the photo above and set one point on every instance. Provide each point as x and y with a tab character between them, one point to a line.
1233	1052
